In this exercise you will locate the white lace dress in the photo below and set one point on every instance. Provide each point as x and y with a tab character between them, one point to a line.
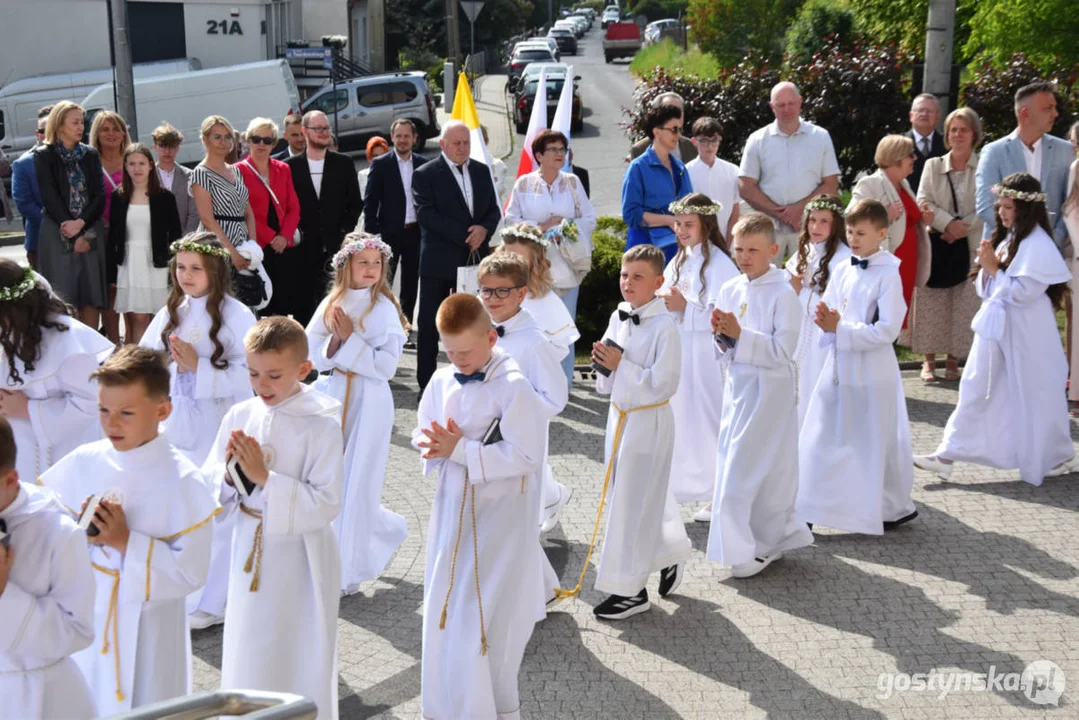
140	287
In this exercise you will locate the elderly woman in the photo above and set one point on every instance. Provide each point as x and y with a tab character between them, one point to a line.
907	238
944	307
546	197
71	243
655	180
109	136
273	201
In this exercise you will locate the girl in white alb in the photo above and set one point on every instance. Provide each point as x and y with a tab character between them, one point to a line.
691	284
822	249
357	335
45	390
202	328
1012	411
555	321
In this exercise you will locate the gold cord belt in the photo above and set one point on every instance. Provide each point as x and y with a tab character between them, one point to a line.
468	494
255	557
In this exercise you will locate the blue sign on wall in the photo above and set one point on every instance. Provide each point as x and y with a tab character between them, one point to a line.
323	54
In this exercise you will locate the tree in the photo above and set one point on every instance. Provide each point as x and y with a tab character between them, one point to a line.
903	23
732	29
1045	31
659	9
817	22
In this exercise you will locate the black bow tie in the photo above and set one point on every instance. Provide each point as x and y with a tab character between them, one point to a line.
623	316
478	376
501	330
863	264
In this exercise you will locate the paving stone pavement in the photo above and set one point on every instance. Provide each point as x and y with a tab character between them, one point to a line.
986	577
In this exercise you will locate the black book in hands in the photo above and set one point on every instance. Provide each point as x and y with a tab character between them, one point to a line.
726	342
494	432
605	371
86	519
240	481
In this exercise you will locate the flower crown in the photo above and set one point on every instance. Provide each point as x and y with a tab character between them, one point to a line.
527	233
681	207
824	204
368	242
192	246
24	286
1008	192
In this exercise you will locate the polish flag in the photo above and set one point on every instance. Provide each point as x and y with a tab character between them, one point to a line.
563	114
536	123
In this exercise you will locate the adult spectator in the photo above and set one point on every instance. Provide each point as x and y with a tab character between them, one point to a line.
1030	149
389	210
928	143
376	148
7	207
24	190
71	243
945	306
294	138
458	212
330	207
276	208
582	175
546	197
716	178
685	150
221	196
785	165
109	136
653	181
175	178
907	238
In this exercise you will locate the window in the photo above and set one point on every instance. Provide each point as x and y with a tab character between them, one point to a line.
535	55
326	102
402	92
375	95
157	31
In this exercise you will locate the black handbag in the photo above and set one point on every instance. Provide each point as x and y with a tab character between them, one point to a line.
950	261
248	289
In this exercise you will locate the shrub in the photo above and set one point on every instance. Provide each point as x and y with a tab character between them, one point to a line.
599	295
658	9
991	93
732	29
817	22
670	56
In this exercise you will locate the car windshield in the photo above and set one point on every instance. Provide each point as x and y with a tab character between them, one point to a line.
560	32
534	54
554	86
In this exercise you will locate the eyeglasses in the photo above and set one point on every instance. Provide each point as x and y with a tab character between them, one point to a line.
556	150
501	293
709	142
674	129
318	128
260	140
39	131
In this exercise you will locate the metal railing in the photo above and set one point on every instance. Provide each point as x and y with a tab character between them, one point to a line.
252	704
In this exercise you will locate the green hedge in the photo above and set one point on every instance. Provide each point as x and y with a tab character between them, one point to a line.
599	292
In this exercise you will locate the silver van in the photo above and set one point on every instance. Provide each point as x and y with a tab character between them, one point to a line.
368	105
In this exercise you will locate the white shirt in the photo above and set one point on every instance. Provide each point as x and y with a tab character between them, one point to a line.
166	176
924	143
464	181
316	167
1033	157
720	183
406	167
789	167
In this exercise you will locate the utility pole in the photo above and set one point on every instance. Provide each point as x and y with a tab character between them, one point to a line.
939	40
123	76
453	33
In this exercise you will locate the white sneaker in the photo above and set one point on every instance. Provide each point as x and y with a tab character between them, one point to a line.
704	514
750	569
1065	468
556	515
200	620
934	464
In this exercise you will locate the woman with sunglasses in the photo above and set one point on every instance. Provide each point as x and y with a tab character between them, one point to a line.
276	207
220	194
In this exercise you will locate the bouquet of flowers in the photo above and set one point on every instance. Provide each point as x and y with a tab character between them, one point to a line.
566	230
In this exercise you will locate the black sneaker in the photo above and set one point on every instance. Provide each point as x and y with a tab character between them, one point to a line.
670	578
893	524
617	607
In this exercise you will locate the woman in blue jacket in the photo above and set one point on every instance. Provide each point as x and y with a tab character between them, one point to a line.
653	181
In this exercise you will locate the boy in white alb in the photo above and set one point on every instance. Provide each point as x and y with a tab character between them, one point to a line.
713	176
503	279
756	322
854	450
639	362
46	599
152	542
481	430
284	586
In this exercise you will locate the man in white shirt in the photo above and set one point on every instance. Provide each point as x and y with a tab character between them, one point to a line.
716	178
928	143
785	165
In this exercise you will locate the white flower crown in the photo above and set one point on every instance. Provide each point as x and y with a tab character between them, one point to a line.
681	207
191	246
1007	192
824	204
24	286
350	248
526	233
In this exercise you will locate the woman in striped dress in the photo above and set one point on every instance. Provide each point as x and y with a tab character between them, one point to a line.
219	191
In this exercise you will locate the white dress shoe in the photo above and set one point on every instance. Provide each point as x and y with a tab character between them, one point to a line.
1065	468
553	519
934	464
704	514
750	569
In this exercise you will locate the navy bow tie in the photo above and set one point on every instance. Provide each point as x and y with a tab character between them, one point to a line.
501	330
863	264
623	316
478	376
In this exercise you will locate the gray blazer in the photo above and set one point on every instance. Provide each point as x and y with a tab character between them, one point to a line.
185	204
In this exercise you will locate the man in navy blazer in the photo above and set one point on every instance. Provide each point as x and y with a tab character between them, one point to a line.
928	143
1031	149
25	192
389	211
458	211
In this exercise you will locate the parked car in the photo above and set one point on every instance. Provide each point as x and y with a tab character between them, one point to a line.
524	97
541	42
367	106
611	14
565	39
587	15
623	39
581	22
660	29
526	55
571	25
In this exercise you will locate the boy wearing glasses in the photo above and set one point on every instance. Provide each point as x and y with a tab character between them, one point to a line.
716	178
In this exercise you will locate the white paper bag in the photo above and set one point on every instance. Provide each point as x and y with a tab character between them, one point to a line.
467	276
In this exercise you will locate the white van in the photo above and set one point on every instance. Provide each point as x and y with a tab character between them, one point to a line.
20	100
238	92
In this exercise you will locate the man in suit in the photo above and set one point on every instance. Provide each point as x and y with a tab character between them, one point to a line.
458	211
175	178
1031	149
686	150
581	174
388	209
330	206
25	192
293	141
928	143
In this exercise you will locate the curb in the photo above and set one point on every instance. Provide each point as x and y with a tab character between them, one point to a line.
13	240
